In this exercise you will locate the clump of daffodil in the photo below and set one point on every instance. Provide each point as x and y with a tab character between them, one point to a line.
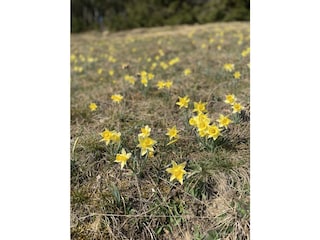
199	107
172	134
122	157
177	171
201	122
146	143
237	75
187	71
93	106
145	77
110	136
237	107
111	72
224	121
229	67
183	102
230	99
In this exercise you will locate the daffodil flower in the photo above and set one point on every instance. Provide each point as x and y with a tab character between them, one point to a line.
183	102
116	98
177	171
93	106
123	157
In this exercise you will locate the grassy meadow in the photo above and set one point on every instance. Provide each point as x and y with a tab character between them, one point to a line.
160	133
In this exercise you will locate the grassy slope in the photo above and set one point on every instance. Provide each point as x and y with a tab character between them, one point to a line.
107	203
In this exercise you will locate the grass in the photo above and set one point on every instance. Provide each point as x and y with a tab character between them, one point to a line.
139	201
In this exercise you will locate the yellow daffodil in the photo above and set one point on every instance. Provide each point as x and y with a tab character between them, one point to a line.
213	132
193	121
161	52
115	137
237	75
78	69
108	136
187	71
164	65
177	171
144	80
223	121
237	107
201	121
111	72
161	84
168	84
172	132
150	76
230	99
244	53
202	127
229	67
116	98
112	59
129	79
143	74
153	66
91	59
93	106
145	132
99	71
199	107
73	58
183	102
146	144
123	157
174	61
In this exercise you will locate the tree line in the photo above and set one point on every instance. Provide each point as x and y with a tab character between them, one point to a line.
115	15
